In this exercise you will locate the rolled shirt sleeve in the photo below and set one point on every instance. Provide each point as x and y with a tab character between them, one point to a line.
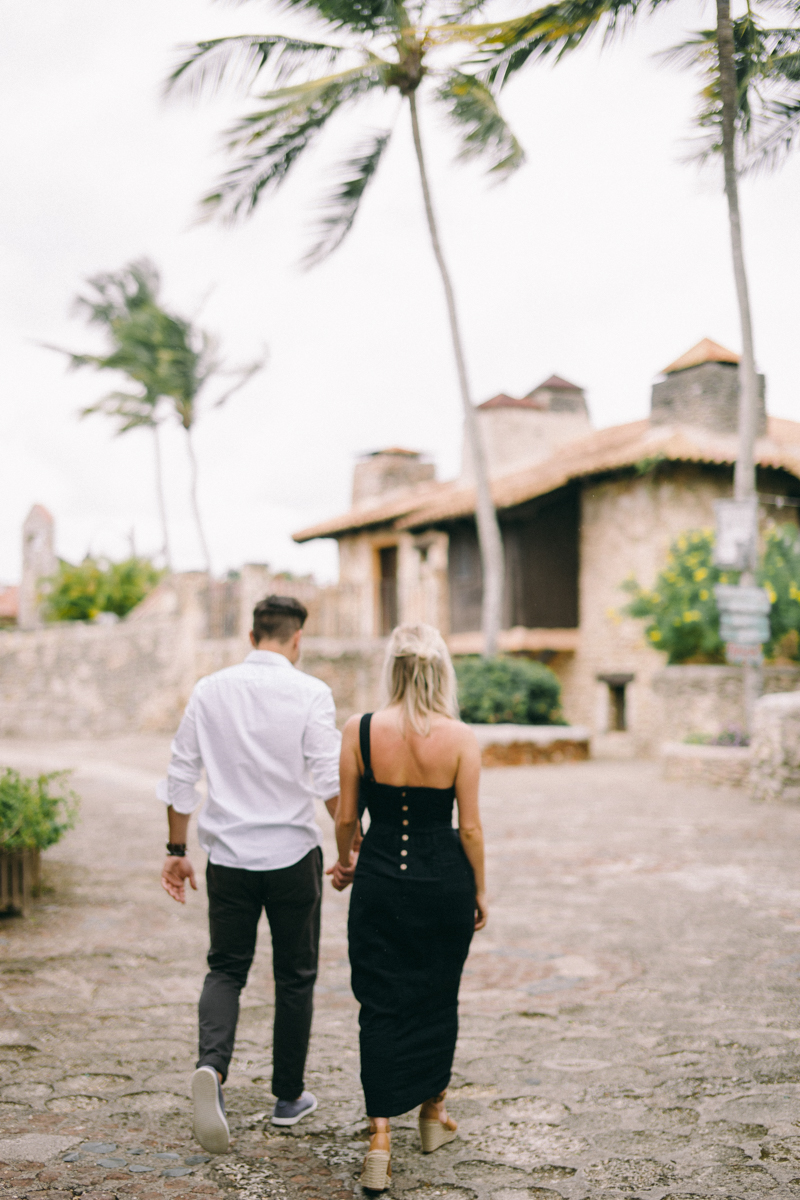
321	746
185	768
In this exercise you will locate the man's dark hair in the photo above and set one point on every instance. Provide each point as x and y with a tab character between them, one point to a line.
278	618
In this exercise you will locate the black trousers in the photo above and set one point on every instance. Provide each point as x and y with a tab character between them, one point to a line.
291	897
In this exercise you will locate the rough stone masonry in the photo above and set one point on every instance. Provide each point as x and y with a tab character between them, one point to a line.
629	1017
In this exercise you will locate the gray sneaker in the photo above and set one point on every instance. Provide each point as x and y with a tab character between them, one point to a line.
289	1112
210	1124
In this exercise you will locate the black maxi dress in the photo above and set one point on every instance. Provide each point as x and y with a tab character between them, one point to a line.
412	915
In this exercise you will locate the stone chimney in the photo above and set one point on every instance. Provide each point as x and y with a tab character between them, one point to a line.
385	471
38	561
519	433
702	388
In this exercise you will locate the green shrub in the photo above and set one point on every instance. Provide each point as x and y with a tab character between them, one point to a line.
514	691
780	575
35	813
681	609
79	593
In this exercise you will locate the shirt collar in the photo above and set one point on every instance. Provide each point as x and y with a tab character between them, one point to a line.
268	658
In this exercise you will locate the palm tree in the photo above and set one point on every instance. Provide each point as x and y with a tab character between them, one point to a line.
124	304
167	356
380	47
743	62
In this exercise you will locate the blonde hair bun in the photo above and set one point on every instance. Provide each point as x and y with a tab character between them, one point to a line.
418	675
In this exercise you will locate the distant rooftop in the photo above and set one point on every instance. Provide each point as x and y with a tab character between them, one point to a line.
704	352
504	401
556	384
393	450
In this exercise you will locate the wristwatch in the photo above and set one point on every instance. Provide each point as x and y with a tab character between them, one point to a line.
176	849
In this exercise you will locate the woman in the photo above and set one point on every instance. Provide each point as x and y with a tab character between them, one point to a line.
418	889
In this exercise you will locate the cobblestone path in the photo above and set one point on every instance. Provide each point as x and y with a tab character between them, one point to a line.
630	1024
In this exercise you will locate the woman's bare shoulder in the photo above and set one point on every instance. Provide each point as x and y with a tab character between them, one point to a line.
351	725
457	733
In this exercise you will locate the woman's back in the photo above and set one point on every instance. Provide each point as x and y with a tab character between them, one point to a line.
402	757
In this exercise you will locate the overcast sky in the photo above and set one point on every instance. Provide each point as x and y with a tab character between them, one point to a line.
603	259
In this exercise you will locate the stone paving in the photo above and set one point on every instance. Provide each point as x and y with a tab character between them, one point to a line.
629	1017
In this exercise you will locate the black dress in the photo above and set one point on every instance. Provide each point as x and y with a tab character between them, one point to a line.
412	915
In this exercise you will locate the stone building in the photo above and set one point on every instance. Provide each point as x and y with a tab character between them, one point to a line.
38	563
579	511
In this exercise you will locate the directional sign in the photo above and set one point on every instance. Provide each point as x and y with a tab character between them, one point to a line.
743	621
737	529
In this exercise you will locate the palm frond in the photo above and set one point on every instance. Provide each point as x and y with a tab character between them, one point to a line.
342	206
271	140
237	61
484	131
131	411
555	29
356	16
775	144
767	63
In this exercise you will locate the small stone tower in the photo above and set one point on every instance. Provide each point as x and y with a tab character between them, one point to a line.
385	471
702	388
38	561
518	433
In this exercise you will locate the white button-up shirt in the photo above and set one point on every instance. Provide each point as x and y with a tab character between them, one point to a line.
266	735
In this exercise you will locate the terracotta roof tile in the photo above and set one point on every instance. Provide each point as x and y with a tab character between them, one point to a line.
607	450
703	352
504	401
556	384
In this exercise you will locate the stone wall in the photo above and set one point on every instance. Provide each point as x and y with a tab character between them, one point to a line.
627	526
706	395
775	749
86	680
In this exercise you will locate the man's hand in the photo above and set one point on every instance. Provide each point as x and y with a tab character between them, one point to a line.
342	875
174	874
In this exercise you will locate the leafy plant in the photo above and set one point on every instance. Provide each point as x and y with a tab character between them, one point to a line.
728	737
79	593
780	575
515	691
35	813
681	610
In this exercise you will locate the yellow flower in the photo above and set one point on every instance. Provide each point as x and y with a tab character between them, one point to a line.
703	594
654	635
681	544
690	615
770	590
700	573
723	578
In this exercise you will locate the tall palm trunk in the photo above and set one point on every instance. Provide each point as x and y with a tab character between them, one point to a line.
195	505
162	508
489	537
745	473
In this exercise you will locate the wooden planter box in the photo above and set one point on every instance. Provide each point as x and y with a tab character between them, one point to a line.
19	875
529	745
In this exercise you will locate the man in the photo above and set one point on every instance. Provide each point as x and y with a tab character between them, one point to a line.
263	731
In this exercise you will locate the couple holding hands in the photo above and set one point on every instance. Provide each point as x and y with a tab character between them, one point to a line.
265	733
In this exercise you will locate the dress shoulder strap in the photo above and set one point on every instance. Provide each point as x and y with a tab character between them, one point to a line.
363	735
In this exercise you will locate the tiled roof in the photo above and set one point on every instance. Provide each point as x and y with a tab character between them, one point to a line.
617	448
614	449
556	384
703	352
504	401
379	511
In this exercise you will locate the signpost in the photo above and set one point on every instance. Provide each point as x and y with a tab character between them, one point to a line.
737	532
744	627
